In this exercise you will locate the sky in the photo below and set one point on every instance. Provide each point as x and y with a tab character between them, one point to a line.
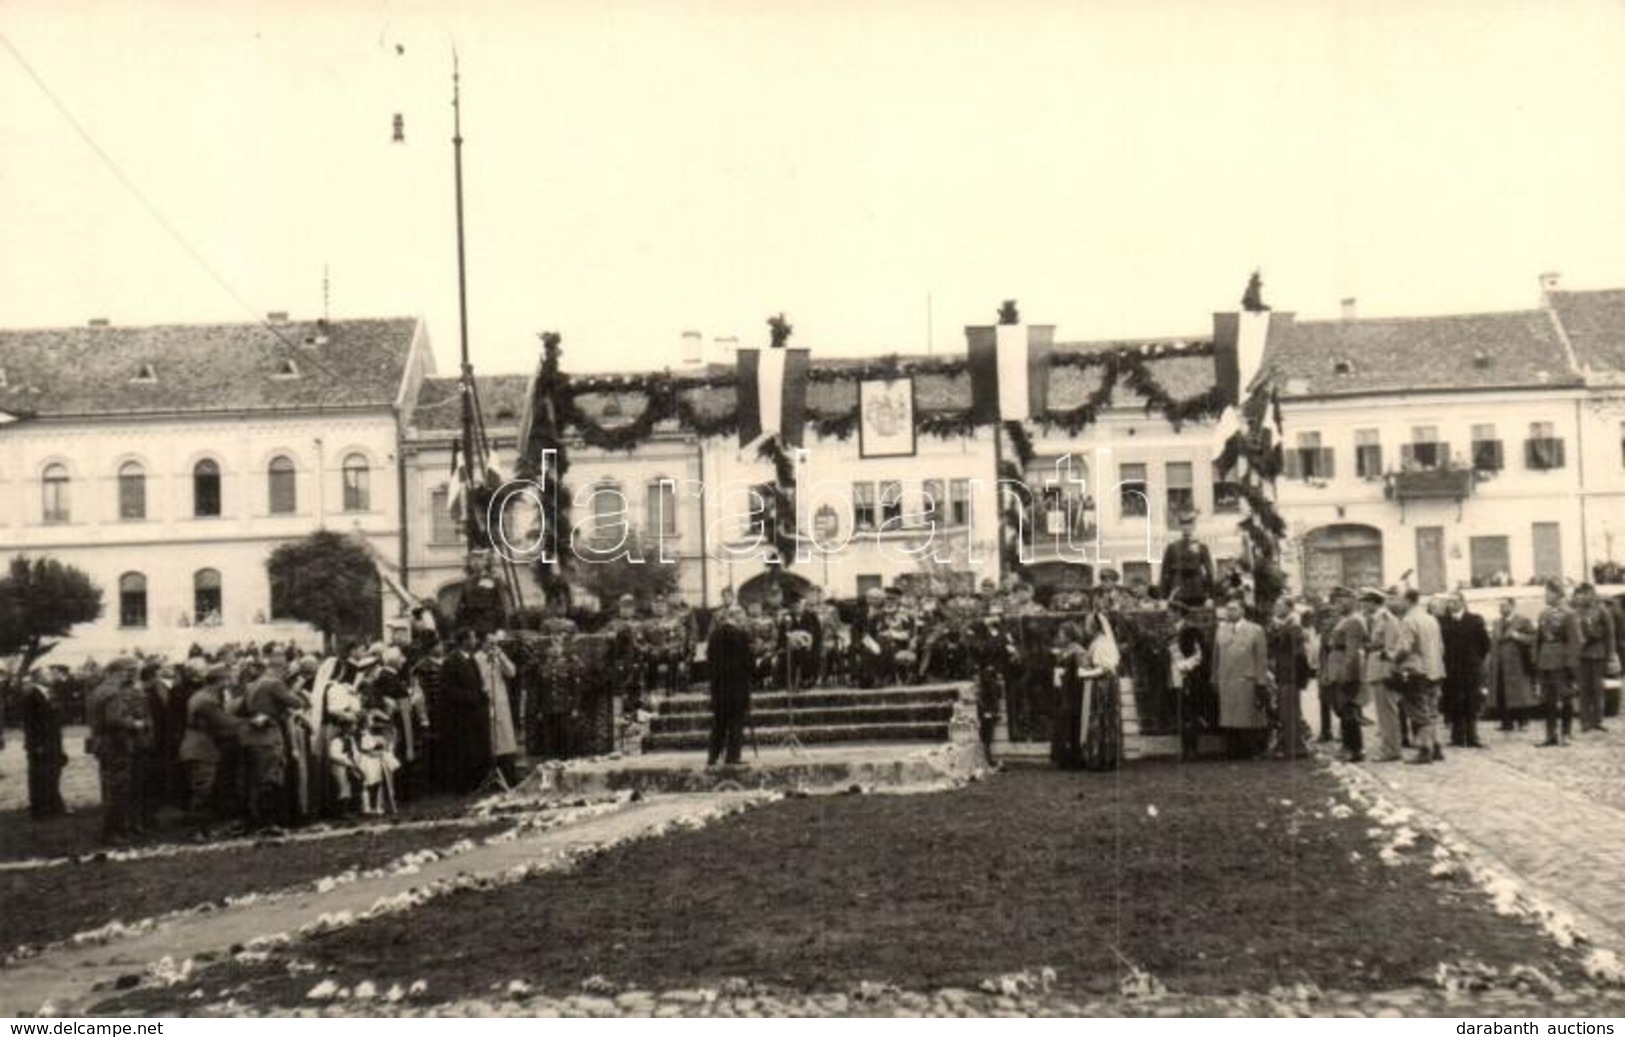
884	173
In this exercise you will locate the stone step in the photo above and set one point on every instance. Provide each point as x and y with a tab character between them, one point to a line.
835	716
770	736
813	698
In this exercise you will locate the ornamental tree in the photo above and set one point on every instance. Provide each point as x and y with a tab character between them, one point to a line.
41	600
327	580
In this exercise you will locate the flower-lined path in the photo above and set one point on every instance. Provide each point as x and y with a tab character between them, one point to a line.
71	979
1554	817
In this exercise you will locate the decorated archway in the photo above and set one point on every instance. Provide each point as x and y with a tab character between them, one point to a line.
755	588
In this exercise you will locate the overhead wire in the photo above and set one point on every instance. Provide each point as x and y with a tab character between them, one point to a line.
152	210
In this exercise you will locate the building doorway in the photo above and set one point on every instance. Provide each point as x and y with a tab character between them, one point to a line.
1346	555
1430	577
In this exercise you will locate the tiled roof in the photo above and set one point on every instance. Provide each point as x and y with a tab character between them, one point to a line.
1182	376
1473	351
501	396
1595	325
204	367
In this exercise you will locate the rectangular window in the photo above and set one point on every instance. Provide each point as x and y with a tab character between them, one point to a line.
1548	551
662	503
1543	452
282	489
1491	559
933	501
1181	476
1367	453
863	506
1487	453
443	527
1226	494
959	502
1425	450
1310	460
891	503
1132	498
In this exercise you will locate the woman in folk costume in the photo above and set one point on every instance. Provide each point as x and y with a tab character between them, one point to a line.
1087	721
496	670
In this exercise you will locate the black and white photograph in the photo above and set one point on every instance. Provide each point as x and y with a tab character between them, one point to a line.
719	509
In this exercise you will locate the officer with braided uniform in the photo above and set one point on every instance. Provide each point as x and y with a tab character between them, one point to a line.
665	648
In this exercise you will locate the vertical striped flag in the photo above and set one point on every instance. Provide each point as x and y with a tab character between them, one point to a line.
1009	371
772	391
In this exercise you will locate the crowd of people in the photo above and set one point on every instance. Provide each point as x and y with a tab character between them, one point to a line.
260	737
1423	666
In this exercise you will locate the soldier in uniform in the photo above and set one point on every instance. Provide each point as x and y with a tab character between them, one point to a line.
1557	656
626	635
123	739
994	652
764	631
208	726
665	648
1187	567
804	640
1598	657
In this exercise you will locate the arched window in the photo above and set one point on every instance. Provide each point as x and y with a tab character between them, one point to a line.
284	494
357	483
132	491
206	489
608	513
132	600
206	598
54	484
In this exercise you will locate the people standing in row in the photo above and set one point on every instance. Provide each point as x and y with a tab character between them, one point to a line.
1557	656
1598	653
1466	647
1419	664
1511	673
41	718
1382	642
1241	677
1342	674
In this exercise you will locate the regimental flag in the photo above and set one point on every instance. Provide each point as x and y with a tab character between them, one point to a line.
1009	371
1239	343
772	391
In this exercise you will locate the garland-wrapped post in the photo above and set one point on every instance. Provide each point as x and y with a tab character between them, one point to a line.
779	496
543	461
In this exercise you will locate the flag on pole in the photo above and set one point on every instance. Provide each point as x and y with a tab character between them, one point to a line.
772	390
1009	371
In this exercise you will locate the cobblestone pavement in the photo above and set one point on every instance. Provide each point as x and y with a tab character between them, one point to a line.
79	779
70	978
1555	817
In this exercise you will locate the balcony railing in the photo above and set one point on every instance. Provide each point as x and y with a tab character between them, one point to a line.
1431	484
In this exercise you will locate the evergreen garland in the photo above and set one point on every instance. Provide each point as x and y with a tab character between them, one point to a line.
550	399
669	399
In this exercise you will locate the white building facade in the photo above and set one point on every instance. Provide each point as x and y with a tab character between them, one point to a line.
168	462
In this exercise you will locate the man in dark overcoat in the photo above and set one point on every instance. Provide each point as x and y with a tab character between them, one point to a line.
728	655
1466	644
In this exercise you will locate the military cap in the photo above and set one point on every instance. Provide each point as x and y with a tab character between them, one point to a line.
1373	594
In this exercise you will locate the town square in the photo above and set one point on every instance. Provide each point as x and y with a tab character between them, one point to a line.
752	512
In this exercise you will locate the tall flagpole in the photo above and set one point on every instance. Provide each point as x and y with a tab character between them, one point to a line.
470	522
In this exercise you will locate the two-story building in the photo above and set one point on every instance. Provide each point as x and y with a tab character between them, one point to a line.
1442	451
167	462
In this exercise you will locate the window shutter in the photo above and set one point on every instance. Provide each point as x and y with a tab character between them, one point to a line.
1328	467
1294	465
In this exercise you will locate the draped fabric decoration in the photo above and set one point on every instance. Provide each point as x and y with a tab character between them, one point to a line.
1009	371
772	390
